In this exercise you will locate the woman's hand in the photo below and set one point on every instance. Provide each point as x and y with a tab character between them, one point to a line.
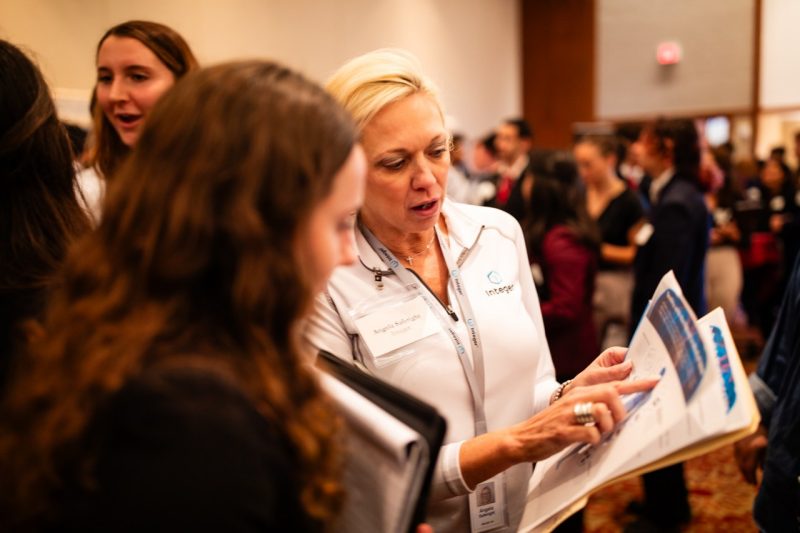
609	366
749	453
548	431
556	427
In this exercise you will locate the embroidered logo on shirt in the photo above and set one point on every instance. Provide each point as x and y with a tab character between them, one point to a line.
505	289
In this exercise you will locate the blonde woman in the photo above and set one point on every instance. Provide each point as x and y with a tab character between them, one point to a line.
440	302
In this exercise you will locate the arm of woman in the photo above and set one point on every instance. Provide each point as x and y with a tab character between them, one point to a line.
623	255
553	427
547	432
631	215
619	255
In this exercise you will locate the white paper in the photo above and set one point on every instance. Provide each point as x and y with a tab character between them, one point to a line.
691	403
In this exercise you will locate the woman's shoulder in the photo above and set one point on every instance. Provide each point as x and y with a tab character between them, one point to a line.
627	199
479	215
683	194
560	236
193	405
184	446
191	385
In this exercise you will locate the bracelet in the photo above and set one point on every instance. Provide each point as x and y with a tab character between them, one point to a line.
559	391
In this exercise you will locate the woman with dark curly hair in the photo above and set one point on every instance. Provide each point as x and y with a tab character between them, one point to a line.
39	211
170	392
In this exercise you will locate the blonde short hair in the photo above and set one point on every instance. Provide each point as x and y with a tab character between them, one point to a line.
368	83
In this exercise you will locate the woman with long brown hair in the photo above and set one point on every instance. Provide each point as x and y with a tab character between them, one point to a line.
137	62
39	211
170	392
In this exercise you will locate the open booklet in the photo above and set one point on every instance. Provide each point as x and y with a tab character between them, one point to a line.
702	402
391	444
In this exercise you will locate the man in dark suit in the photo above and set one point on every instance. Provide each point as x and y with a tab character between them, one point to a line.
512	142
679	220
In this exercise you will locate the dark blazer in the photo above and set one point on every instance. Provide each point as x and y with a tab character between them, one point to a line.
777	505
679	242
515	205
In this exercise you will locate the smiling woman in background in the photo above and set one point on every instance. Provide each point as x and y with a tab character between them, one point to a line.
137	62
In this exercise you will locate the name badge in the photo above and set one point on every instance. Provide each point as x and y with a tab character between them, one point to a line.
390	328
487	505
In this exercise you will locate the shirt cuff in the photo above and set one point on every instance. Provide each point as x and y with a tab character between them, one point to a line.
544	391
765	398
451	469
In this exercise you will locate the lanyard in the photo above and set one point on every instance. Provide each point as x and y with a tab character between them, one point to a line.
475	375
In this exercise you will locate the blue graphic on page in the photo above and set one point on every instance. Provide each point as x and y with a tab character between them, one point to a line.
677	330
724	366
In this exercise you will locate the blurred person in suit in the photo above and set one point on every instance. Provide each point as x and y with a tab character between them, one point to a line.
513	144
678	227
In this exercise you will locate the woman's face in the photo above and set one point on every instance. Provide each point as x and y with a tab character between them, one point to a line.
130	80
772	176
327	240
592	165
406	146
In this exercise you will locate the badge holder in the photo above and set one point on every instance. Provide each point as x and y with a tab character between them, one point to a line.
487	505
390	325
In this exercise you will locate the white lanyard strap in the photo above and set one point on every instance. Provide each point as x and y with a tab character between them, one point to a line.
475	376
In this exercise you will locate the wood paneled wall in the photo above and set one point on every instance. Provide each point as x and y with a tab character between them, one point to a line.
558	67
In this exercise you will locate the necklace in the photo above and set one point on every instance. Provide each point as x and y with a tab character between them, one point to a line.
410	258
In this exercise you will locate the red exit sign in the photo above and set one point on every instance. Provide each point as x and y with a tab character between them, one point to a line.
668	53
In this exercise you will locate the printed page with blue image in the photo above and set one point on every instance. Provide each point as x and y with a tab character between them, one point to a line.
702	393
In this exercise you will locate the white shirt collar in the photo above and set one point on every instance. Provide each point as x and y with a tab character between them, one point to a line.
658	184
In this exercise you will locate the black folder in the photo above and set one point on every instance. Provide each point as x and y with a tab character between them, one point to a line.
413	412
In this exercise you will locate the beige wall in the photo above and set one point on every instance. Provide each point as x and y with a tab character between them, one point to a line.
469	47
716	70
780	60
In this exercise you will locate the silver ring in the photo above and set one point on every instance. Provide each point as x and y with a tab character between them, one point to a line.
583	414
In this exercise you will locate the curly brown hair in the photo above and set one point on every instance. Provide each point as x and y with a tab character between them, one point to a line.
195	256
108	150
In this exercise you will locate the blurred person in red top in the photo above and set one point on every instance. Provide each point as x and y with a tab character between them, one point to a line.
564	248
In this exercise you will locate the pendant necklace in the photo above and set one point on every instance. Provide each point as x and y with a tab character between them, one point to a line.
410	258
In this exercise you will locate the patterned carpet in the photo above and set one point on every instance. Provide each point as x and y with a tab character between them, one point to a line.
720	499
